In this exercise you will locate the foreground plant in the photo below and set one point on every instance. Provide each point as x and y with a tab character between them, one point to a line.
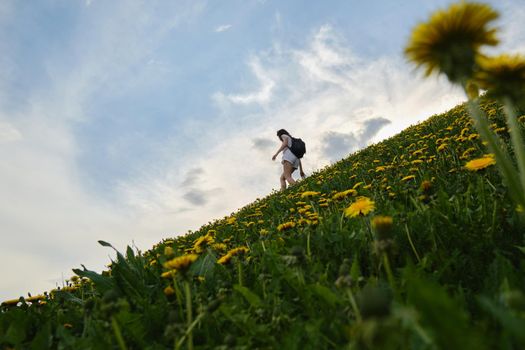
450	43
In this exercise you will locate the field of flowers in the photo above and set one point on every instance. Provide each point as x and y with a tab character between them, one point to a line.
416	242
411	243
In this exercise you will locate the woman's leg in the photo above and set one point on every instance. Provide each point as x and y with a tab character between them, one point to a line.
283	181
288	169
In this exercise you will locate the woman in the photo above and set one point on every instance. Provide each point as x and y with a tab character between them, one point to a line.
290	161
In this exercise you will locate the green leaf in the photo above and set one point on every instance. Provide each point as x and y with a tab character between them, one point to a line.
326	294
43	339
103	283
205	265
250	296
105	244
510	322
442	314
522	249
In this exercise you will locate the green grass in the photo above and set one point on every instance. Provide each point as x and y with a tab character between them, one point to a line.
448	273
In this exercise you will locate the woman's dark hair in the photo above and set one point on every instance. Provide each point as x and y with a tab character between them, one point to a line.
282	132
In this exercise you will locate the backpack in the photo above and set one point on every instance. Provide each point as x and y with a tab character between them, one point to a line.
298	147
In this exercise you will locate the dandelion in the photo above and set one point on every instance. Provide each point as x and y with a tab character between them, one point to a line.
181	263
169	290
168	251
450	41
309	194
480	163
503	76
343	194
362	206
168	274
233	252
425	186
357	185
408	178
382	225
219	246
286	226
442	147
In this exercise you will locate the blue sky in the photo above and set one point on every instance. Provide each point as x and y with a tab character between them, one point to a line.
133	121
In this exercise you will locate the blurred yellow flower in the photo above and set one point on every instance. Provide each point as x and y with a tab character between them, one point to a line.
450	41
181	263
382	224
480	163
308	194
169	290
503	76
286	226
168	251
343	194
362	206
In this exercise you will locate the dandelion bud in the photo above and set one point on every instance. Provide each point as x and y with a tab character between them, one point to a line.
344	269
382	226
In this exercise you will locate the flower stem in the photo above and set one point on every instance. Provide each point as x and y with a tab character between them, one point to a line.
412	244
389	273
516	139
239	271
189	314
508	171
354	305
308	250
118	333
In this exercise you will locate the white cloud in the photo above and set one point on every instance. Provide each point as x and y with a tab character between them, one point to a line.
223	28
8	133
50	221
261	96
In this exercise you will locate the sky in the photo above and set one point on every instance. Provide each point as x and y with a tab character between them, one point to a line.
136	121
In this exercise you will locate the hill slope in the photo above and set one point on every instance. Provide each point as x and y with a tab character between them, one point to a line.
397	246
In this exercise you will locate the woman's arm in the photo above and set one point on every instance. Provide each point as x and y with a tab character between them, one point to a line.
283	146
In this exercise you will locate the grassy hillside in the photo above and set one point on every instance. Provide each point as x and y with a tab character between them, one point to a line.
398	246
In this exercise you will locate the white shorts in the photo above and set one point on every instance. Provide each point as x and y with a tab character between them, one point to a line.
291	158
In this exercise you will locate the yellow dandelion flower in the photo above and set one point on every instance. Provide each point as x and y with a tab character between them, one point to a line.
231	221
362	206
442	147
343	194
503	76
286	226
357	185
219	246
168	251
223	260
480	163
181	263
382	225
408	178
169	290
425	186
309	194
450	41
264	232
168	274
